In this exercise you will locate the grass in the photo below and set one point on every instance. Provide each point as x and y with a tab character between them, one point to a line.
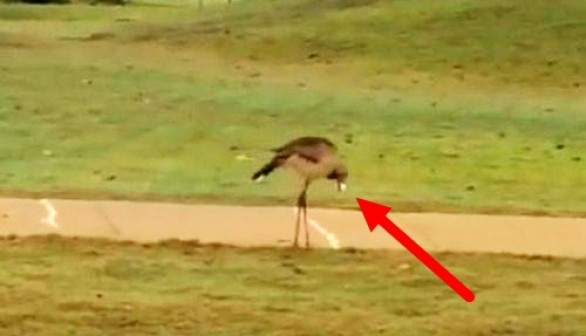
57	286
459	106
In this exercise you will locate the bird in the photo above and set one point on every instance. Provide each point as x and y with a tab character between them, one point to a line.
312	158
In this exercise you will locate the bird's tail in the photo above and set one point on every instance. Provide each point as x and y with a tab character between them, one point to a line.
265	170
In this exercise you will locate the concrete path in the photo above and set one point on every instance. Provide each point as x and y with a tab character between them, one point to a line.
273	226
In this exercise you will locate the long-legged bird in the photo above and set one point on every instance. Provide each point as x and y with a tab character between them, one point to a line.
312	158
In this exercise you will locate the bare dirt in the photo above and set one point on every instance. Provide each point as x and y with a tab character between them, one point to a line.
273	226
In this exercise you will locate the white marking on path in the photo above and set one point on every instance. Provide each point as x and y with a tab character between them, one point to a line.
330	237
333	241
51	214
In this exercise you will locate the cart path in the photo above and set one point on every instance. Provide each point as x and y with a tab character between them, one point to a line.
273	226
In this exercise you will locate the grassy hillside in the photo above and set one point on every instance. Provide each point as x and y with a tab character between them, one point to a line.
51	286
451	106
537	43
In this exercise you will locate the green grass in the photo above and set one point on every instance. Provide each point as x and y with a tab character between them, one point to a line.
56	286
529	42
460	106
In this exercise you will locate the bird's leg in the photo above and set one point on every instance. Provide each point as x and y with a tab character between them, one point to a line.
305	214
299	205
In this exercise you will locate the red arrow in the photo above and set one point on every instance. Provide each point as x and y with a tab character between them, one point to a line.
376	214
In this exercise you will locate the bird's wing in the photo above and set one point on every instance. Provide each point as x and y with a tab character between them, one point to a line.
312	154
306	142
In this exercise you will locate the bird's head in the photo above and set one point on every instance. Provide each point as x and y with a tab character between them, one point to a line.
340	174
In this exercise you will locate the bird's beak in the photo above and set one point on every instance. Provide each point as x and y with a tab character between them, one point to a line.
342	186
